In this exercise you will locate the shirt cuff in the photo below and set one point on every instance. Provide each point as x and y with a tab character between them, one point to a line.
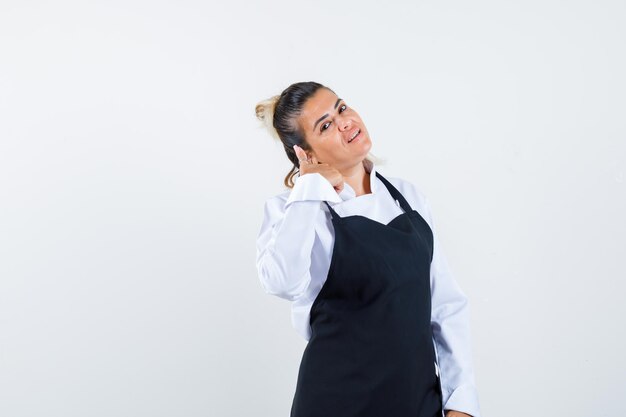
464	399
312	187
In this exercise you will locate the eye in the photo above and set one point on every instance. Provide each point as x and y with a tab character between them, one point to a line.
342	108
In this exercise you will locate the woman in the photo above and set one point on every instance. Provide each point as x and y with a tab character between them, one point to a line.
356	254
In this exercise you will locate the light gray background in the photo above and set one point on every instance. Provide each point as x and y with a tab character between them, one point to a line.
133	175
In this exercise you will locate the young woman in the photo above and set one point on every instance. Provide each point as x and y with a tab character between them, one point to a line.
356	253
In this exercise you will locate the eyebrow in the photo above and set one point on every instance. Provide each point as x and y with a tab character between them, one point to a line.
326	115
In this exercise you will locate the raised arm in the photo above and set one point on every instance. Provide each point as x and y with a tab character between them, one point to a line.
285	241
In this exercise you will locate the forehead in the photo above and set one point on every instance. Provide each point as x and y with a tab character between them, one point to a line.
320	103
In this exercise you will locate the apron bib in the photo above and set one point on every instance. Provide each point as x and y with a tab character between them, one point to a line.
371	351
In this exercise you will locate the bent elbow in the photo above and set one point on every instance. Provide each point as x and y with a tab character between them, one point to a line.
277	282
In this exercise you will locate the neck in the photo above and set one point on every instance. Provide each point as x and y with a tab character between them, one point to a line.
358	178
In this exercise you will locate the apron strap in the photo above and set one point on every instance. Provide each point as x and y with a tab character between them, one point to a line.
332	211
395	193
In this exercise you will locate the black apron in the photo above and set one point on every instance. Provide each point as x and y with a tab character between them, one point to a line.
371	350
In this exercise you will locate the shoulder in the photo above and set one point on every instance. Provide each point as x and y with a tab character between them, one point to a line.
411	191
414	195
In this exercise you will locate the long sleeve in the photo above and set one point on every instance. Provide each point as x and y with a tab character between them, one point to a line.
287	234
450	323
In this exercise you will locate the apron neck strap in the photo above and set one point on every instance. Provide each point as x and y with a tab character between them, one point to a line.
395	193
332	211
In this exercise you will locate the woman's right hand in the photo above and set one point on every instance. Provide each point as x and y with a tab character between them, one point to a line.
311	166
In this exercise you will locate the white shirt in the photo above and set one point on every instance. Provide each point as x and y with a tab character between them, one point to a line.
294	249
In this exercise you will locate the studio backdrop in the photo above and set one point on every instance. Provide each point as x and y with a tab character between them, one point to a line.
133	176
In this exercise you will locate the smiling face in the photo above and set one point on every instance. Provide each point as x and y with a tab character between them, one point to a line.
329	125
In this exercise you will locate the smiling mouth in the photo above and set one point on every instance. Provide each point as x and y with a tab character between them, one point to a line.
355	136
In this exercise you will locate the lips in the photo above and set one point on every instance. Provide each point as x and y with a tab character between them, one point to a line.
354	134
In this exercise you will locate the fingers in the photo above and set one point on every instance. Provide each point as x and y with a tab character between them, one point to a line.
302	156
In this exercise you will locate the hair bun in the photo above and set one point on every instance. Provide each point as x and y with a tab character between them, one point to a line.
265	113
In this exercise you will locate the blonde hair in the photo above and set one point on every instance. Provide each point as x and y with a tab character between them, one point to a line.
265	113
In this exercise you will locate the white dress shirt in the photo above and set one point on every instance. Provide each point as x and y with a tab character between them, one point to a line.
294	249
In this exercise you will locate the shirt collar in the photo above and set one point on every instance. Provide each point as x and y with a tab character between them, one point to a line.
348	192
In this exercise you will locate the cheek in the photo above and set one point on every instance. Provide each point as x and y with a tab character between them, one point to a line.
331	148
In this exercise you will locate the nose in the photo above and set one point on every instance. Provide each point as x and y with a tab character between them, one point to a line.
344	124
